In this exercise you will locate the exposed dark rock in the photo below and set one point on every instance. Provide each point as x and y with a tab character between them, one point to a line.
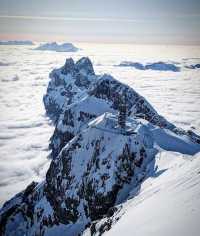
69	66
85	65
195	66
93	159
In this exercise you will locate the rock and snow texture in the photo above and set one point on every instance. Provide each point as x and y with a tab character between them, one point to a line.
168	203
65	47
83	182
68	84
97	169
16	42
93	167
76	95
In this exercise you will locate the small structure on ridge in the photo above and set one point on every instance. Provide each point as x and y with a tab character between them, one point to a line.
122	113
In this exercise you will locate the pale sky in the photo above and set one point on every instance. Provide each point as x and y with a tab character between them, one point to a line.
119	21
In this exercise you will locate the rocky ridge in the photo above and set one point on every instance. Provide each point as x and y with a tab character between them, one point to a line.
94	163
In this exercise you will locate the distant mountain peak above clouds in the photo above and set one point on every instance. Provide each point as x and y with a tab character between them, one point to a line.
16	42
65	47
157	66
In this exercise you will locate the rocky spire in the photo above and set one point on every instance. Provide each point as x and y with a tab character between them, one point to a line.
69	66
84	65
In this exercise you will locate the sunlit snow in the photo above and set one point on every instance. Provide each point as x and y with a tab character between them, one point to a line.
25	130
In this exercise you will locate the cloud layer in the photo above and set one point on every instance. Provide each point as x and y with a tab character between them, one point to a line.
25	130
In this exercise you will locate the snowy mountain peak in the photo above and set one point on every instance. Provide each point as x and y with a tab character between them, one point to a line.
76	97
65	47
82	183
97	165
84	65
93	167
69	66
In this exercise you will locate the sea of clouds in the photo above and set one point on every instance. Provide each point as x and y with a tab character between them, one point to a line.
24	128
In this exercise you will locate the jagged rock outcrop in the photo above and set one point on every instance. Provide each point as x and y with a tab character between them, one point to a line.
67	85
95	164
108	160
76	80
76	95
84	181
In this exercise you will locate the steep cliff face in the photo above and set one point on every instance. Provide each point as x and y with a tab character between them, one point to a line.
76	95
76	80
93	167
84	181
95	163
67	85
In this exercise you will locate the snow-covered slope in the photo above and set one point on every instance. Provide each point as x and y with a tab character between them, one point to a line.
65	47
83	182
96	165
168	202
76	95
67	85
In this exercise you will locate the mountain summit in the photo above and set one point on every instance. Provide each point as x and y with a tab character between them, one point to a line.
98	162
